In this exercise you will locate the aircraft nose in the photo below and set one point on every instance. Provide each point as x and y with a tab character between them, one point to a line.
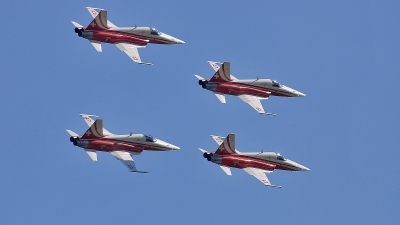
173	147
304	168
301	94
179	41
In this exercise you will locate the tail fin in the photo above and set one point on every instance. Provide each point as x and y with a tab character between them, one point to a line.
223	74
94	131
90	121
99	22
228	146
94	13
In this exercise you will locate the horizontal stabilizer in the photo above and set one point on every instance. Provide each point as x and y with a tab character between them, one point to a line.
92	154
96	45
77	25
221	97
199	77
227	170
73	134
202	150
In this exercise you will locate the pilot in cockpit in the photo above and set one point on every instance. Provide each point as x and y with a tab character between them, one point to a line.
154	31
276	83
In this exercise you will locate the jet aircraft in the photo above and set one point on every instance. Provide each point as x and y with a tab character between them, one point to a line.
254	163
250	91
122	147
127	39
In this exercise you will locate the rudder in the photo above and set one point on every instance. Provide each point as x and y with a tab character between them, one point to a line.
94	131
99	22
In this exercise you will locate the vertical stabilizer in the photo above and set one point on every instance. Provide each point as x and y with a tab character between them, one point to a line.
99	22
223	74
228	146
94	131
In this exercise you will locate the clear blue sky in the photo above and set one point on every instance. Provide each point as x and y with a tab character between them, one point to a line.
343	54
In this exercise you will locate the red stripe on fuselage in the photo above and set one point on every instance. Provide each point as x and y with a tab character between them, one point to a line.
278	165
273	91
146	147
151	40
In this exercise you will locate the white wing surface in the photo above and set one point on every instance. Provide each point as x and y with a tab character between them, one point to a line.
254	102
131	51
221	97
260	175
94	13
126	159
227	170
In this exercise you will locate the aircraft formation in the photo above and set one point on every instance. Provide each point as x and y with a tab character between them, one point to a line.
124	147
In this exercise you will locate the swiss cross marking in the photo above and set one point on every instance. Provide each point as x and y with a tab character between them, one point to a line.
88	132
93	24
216	75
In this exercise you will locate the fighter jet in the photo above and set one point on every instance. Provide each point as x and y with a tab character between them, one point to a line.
127	39
254	163
250	91
122	147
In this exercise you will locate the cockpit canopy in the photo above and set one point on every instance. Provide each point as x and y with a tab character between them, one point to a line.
154	31
275	83
280	157
149	138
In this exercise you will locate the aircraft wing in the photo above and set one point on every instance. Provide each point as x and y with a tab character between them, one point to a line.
260	175
131	51
254	102
94	13
126	159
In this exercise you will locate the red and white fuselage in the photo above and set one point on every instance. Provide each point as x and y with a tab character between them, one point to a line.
250	91
254	163
127	39
122	147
